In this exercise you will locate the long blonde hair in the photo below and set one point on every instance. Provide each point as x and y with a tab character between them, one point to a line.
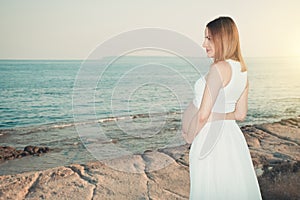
225	37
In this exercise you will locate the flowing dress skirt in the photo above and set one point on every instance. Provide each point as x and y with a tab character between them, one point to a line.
221	165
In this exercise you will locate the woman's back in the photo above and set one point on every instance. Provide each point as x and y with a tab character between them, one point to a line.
231	92
228	95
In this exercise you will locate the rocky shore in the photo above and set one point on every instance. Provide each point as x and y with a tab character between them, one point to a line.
274	148
10	153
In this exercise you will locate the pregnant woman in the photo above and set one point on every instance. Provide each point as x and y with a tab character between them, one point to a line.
220	161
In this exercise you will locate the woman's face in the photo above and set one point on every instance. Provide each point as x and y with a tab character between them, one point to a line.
208	44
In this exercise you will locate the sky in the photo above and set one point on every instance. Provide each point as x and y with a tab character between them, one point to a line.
72	29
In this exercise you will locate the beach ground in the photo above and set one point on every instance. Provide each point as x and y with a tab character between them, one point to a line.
274	148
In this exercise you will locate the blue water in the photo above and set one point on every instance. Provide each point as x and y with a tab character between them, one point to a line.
39	97
36	92
40	92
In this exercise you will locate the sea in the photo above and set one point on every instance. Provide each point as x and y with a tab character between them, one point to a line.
101	109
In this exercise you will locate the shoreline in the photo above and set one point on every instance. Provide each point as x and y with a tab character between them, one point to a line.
274	148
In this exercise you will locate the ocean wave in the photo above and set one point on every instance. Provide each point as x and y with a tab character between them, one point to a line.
63	125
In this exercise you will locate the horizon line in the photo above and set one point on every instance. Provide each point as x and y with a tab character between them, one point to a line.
78	59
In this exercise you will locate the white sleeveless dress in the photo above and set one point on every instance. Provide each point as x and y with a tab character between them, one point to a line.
220	161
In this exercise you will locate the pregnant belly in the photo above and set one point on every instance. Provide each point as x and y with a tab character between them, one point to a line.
188	115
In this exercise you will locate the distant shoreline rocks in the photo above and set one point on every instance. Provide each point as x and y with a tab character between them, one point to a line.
10	153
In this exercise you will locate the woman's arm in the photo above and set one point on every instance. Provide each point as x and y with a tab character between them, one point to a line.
241	107
213	85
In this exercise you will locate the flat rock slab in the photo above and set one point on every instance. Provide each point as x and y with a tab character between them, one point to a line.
99	181
60	182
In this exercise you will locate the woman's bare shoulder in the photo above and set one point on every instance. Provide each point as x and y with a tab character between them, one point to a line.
221	65
223	69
